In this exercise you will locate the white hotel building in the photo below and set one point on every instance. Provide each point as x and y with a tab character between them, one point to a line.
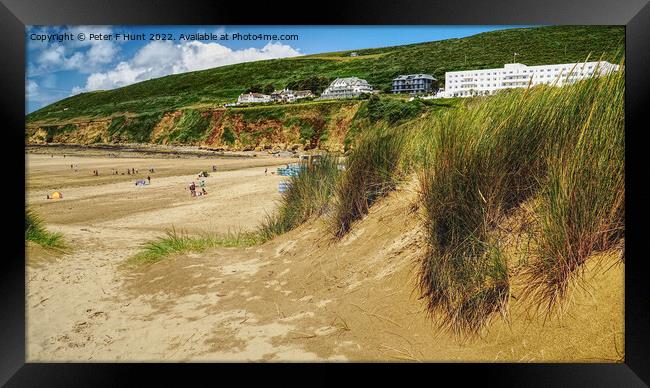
470	83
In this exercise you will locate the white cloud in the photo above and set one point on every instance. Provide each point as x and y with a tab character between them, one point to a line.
123	74
101	53
84	56
31	90
159	58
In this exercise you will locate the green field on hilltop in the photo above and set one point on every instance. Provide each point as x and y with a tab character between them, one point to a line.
379	66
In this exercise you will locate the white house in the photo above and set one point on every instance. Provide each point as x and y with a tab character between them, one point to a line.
251	98
470	83
287	95
347	88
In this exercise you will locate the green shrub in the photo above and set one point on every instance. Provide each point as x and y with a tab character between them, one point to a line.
314	83
393	110
228	136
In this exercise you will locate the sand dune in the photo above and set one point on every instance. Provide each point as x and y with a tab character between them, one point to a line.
302	296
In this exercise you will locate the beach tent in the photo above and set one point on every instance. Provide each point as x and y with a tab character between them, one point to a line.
55	195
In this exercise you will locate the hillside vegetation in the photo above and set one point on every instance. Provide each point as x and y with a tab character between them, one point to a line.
210	88
326	125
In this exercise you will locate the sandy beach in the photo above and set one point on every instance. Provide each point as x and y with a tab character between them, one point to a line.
299	297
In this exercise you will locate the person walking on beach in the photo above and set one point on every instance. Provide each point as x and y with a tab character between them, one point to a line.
266	170
149	179
192	189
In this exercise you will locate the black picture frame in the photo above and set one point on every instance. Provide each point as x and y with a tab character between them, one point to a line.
635	15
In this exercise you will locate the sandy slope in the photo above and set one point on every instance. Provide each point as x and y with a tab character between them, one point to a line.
302	296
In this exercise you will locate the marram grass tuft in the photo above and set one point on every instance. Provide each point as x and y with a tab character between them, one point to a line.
563	146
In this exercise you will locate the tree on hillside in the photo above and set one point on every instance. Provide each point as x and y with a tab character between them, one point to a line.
314	83
268	89
257	88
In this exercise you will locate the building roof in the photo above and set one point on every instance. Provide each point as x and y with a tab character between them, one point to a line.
521	65
287	92
349	81
414	76
259	95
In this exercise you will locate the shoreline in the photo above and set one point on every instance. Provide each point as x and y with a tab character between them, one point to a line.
150	150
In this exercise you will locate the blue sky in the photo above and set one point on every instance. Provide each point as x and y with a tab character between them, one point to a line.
59	69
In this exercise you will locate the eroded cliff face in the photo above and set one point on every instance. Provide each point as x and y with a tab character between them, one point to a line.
88	132
300	127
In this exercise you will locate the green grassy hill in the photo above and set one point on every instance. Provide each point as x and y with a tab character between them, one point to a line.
210	88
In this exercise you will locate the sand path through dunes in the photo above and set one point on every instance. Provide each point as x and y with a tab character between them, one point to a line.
301	296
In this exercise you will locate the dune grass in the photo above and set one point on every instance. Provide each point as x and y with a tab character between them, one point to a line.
308	196
180	242
482	161
562	149
582	207
36	232
372	171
